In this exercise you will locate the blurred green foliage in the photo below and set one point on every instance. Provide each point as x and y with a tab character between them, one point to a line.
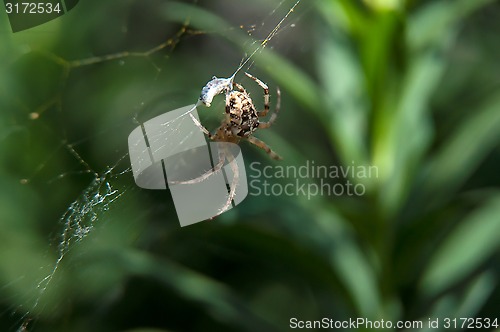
408	86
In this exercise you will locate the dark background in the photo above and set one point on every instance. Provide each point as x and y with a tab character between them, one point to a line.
408	86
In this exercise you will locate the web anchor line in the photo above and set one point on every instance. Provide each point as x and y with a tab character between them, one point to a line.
219	85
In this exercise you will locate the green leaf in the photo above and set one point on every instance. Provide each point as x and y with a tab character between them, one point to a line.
343	14
463	152
217	298
465	248
346	102
467	304
406	136
435	21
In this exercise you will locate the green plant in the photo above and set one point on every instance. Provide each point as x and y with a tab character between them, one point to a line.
407	86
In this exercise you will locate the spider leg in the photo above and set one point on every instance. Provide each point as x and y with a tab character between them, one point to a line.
274	116
266	94
223	154
205	175
202	128
241	88
263	146
232	192
209	172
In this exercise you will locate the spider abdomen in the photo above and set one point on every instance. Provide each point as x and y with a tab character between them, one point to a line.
243	117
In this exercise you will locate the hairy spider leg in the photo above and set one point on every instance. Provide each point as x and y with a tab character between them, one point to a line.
274	116
255	141
266	94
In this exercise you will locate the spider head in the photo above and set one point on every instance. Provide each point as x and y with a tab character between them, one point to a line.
215	87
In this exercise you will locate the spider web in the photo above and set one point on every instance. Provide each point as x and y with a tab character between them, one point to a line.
103	187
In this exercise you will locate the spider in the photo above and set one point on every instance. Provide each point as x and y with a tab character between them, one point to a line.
241	117
240	122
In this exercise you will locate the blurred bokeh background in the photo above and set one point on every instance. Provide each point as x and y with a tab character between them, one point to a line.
411	87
